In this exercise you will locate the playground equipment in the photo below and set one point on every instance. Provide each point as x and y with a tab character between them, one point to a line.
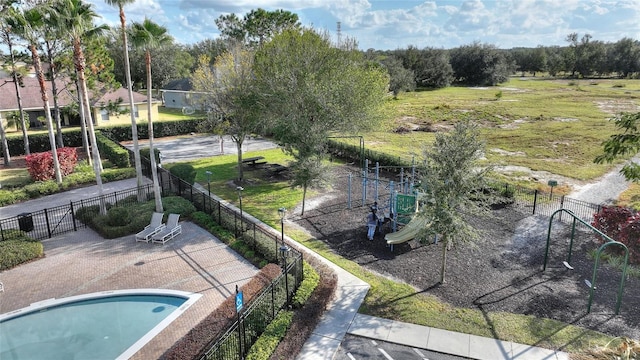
408	232
610	242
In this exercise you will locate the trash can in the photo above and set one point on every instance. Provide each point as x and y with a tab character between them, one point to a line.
25	221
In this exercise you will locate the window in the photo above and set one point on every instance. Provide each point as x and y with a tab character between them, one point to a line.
104	114
135	111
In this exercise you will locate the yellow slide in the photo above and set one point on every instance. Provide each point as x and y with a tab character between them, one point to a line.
408	232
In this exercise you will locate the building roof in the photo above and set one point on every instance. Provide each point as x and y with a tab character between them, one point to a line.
183	84
116	95
32	99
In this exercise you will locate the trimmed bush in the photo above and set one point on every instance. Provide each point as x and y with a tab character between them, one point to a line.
18	250
118	155
271	337
185	172
40	142
40	165
118	216
308	285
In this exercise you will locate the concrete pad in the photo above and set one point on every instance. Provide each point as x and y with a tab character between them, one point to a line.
334	324
528	352
483	348
348	298
448	342
319	348
409	334
371	327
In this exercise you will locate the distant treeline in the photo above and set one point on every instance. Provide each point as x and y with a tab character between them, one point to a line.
485	64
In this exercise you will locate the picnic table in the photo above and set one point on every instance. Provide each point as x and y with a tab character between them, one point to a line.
253	161
277	168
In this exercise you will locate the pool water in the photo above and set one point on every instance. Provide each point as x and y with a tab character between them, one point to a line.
99	328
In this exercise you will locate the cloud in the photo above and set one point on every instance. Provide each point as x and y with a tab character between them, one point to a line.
244	6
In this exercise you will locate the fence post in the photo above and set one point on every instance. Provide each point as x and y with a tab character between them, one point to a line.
561	207
73	216
255	239
349	191
46	216
535	200
273	301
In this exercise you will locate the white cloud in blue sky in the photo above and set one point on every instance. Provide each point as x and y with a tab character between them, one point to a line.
392	24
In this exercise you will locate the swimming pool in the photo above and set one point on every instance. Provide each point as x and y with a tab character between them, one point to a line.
106	325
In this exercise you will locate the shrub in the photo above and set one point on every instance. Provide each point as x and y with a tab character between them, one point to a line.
111	150
271	337
178	205
41	188
40	165
308	284
118	216
15	234
185	172
19	250
145	152
620	224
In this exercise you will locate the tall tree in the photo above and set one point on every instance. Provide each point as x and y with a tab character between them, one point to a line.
451	179
7	37
400	79
76	18
229	96
53	46
147	36
308	89
480	64
256	27
134	127
28	24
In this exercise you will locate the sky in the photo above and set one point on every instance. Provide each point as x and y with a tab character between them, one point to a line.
397	24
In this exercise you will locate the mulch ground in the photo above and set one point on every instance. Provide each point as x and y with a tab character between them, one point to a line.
500	272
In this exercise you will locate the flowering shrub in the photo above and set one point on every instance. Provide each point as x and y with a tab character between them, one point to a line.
620	224
40	165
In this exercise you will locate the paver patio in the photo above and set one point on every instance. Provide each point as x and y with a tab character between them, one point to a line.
83	262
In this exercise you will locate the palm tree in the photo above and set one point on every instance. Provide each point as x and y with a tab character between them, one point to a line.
7	37
127	71
75	18
149	35
28	24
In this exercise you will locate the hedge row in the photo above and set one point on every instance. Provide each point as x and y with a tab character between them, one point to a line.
111	150
73	137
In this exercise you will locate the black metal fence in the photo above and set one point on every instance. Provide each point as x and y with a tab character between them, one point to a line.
54	221
546	204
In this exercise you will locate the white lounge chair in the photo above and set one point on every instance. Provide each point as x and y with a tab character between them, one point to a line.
170	231
154	226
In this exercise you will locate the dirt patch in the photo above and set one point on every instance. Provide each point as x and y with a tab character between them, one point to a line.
502	272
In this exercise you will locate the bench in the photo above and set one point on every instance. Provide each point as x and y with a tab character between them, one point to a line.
253	161
277	168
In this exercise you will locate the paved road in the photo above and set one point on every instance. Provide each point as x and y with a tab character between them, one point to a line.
201	146
360	348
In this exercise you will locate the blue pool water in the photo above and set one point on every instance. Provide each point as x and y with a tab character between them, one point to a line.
106	327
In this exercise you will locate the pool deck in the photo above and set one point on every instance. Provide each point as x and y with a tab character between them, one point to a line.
83	262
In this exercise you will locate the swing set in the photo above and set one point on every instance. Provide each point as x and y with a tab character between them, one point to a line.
610	242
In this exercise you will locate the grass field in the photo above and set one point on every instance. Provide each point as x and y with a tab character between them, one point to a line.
550	125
